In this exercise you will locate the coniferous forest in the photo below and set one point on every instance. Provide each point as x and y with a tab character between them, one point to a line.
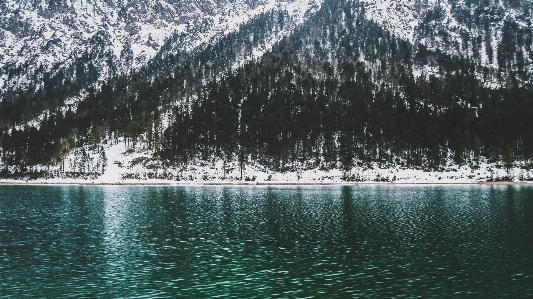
339	92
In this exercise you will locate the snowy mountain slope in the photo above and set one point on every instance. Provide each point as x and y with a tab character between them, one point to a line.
399	17
38	38
338	93
496	35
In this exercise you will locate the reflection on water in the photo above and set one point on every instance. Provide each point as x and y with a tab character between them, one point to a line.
296	242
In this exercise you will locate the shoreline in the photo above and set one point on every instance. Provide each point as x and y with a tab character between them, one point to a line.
251	184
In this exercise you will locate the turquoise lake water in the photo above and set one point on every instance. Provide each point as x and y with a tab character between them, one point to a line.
468	241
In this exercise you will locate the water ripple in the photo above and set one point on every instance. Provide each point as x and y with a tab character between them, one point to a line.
266	242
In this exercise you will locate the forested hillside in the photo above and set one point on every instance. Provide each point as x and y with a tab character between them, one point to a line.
53	52
339	92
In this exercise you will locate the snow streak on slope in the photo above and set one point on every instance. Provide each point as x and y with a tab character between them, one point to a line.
298	12
399	17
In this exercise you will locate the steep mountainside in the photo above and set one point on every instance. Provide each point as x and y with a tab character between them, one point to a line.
340	91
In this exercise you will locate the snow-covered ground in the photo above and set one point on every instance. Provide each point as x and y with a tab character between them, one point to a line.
135	165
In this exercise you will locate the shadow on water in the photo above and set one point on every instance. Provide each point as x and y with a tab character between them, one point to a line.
348	216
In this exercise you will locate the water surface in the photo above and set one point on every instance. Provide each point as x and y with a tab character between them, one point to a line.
266	242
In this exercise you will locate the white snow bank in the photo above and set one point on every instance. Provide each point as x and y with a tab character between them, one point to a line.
128	164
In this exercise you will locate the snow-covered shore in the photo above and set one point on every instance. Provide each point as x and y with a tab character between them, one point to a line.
212	174
127	165
54	182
